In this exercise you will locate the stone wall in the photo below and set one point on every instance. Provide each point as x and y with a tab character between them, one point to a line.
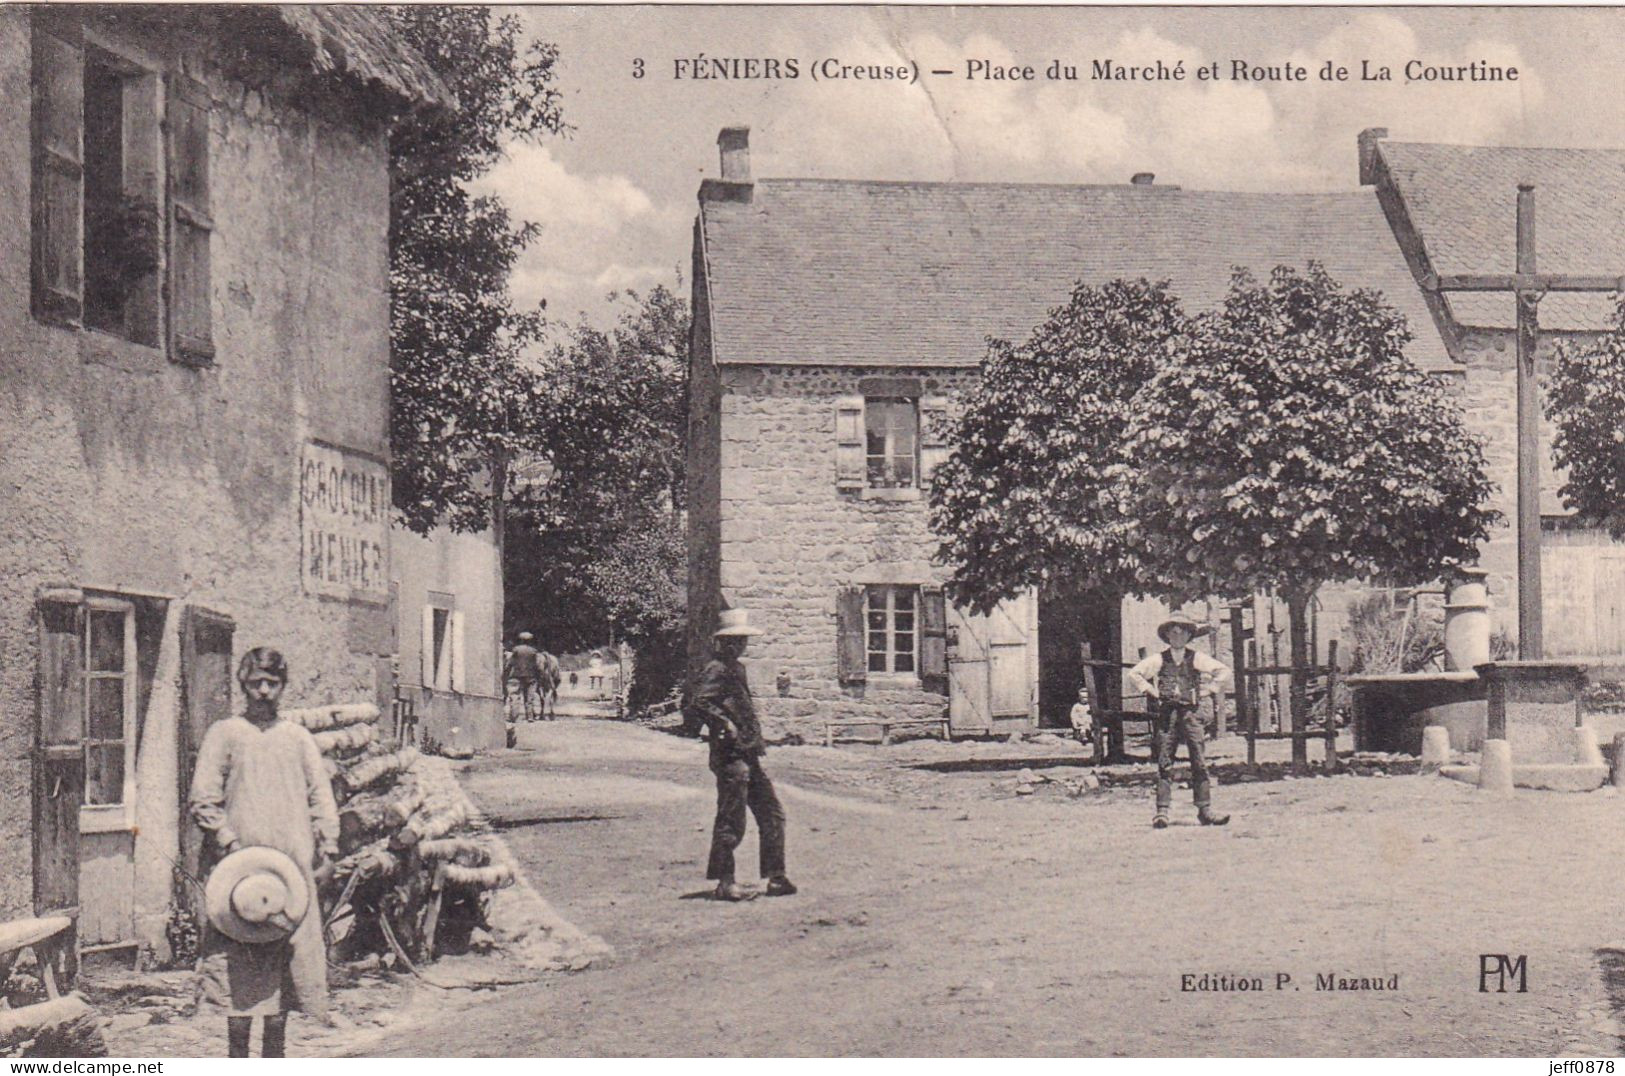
1489	397
790	540
129	473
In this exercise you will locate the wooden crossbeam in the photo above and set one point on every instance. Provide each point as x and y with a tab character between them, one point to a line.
1523	282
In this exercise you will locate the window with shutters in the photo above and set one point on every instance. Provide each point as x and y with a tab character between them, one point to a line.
890	616
98	217
892	438
109	677
442	644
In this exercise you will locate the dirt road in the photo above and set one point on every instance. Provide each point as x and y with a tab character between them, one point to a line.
942	913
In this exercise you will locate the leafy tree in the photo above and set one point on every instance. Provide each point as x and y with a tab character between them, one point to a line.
597	548
1586	399
1021	502
1291	443
463	404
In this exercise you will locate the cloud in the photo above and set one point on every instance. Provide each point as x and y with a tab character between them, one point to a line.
599	231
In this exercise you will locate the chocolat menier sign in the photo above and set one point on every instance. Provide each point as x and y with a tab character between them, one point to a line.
343	523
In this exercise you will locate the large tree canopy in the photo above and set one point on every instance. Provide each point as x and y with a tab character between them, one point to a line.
462	402
1277	443
1296	445
1022	501
1586	401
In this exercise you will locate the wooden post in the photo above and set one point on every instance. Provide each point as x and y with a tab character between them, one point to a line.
1238	665
1530	643
1331	706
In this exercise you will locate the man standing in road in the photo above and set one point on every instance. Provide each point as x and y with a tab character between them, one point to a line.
524	665
261	783
722	700
1174	682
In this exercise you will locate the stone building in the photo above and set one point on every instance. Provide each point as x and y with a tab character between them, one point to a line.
835	320
1452	210
194	399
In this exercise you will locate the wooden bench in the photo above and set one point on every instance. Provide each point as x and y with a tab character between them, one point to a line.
45	937
884	724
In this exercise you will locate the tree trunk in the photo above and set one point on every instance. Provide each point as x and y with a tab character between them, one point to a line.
499	539
1297	602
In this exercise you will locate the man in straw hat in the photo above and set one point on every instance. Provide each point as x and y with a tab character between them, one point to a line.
1174	681
261	791
722	700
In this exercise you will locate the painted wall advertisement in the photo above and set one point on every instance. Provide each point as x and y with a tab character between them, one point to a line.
343	523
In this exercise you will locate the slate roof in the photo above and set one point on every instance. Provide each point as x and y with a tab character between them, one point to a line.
1462	201
919	274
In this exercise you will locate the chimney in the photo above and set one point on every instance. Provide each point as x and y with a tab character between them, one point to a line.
1368	154
1143	179
734	144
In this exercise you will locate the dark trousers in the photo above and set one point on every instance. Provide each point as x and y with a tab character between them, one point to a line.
741	784
1178	724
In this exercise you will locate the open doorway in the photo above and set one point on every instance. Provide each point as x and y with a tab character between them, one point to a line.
1064	623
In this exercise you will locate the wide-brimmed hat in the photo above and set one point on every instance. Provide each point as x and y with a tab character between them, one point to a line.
525	636
734	622
1196	630
256	895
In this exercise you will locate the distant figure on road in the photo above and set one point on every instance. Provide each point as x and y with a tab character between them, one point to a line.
525	665
722	700
1174	681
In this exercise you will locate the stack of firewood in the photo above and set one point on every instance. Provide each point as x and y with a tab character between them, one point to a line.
412	879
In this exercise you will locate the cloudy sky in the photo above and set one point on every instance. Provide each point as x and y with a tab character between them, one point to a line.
617	197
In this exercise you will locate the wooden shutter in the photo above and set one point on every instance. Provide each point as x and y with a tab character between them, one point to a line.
206	682
934	445
852	653
426	668
191	334
57	257
459	669
933	640
849	443
59	764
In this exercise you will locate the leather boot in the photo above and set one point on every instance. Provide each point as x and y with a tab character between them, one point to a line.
1208	817
238	1029
274	1044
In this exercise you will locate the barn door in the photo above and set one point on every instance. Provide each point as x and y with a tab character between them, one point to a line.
970	707
1012	650
206	693
993	667
59	762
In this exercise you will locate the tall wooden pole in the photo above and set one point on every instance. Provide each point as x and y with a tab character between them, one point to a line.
1530	644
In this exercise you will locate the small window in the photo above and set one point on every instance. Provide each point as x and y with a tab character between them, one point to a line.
109	707
443	645
892	630
892	433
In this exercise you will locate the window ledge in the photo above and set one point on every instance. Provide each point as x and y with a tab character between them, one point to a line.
894	681
881	493
105	818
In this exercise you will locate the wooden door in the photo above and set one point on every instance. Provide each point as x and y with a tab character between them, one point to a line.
206	683
993	667
969	699
59	764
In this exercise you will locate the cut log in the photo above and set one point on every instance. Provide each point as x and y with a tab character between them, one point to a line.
365	819
375	769
321	718
437	820
345	740
63	1027
478	877
460	850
